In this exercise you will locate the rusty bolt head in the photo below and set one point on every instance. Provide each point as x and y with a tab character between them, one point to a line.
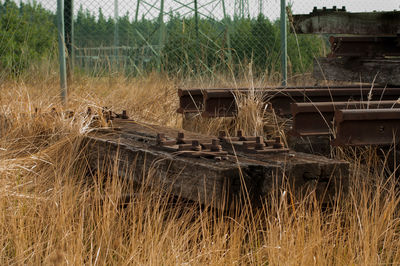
222	134
215	146
196	145
278	144
259	143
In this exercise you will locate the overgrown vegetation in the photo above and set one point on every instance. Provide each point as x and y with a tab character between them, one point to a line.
54	212
28	33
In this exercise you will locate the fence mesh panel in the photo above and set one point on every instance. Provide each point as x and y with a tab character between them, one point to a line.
178	36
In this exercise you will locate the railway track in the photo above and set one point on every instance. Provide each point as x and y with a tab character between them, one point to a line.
313	109
353	115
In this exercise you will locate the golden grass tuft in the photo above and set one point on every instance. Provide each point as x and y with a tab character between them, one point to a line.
54	212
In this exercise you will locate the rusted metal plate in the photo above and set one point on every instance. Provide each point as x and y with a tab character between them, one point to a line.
367	47
314	119
338	22
367	127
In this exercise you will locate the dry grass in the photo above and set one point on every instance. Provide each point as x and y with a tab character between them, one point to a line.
49	215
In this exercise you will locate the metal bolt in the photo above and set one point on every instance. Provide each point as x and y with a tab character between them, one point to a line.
221	134
315	9
343	8
278	144
196	145
240	135
180	138
259	143
215	146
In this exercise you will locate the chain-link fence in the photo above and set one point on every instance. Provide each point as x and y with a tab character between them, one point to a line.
178	36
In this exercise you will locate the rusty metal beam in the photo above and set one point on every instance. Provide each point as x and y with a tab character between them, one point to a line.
192	100
322	113
337	21
367	127
364	46
224	102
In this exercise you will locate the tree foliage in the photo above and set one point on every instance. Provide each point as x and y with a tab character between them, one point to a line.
27	34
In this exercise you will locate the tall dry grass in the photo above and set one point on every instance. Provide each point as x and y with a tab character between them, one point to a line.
54	212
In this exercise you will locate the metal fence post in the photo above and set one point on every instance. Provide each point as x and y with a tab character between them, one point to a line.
196	25
161	36
228	37
116	33
69	35
284	42
61	50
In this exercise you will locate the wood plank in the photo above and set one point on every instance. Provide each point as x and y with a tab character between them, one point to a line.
339	22
378	71
131	152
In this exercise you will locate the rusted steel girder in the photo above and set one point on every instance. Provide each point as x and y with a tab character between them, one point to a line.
367	127
224	103
192	100
367	47
316	119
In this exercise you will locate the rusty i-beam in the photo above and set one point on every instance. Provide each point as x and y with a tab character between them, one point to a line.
316	119
223	102
367	127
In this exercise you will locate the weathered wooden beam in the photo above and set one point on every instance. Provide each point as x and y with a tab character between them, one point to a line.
340	22
132	152
378	71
